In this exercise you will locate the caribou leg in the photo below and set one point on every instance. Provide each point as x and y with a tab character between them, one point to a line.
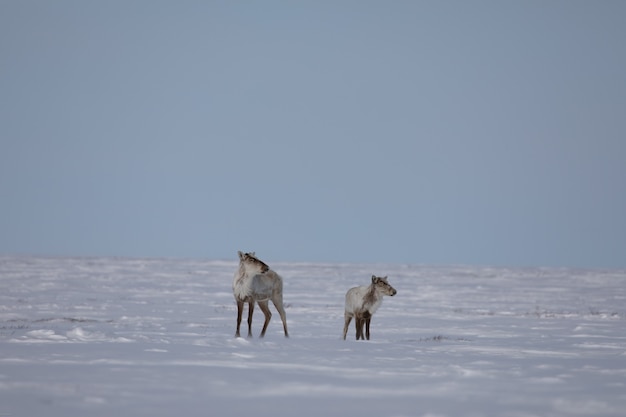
250	312
268	315
348	319
239	313
278	303
358	323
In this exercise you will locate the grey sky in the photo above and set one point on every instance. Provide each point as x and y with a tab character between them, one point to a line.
372	131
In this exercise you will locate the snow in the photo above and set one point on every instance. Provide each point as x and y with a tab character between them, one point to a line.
129	337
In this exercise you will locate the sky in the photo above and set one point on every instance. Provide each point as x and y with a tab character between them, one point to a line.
422	132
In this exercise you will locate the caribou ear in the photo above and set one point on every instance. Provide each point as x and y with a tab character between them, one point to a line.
373	278
240	255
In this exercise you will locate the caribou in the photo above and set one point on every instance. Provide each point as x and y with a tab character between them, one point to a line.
362	302
254	281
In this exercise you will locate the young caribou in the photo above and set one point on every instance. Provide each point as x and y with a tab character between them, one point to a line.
362	302
254	281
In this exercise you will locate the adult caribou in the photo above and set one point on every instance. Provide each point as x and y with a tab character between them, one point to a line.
254	281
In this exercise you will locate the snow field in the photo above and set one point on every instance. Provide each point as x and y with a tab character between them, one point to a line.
128	337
